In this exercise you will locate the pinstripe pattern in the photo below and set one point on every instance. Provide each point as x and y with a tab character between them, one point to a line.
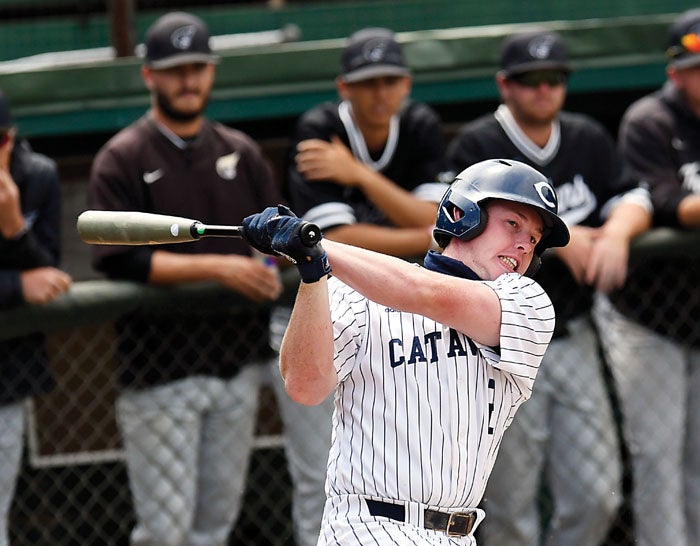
420	409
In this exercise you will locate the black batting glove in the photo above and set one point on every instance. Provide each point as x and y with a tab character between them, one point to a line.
311	261
255	229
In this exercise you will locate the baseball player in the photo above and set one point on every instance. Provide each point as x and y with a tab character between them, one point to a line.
651	335
188	380
565	435
428	364
365	169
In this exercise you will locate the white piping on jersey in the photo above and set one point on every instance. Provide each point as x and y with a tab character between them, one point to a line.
430	191
522	142
638	196
357	141
172	137
331	214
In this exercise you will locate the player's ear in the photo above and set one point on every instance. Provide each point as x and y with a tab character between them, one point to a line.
501	84
407	83
146	74
342	88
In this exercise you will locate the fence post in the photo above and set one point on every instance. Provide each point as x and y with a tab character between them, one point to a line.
121	23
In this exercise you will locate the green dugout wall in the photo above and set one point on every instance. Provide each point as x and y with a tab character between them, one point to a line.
451	46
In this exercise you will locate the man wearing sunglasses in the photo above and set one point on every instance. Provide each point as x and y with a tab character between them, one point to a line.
564	437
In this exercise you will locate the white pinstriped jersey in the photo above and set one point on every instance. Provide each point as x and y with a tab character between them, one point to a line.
420	409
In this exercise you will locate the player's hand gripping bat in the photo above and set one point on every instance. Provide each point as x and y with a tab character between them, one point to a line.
104	227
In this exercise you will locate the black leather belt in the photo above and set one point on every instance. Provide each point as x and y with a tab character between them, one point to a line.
456	524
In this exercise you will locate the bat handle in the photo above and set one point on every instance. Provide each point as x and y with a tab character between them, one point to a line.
309	233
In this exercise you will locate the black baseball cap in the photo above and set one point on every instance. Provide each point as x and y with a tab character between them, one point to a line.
372	53
178	38
684	40
6	121
534	51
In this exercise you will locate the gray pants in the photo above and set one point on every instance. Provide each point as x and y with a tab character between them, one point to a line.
307	440
11	442
564	435
658	381
307	437
187	451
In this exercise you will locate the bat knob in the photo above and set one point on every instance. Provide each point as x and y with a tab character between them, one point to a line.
310	234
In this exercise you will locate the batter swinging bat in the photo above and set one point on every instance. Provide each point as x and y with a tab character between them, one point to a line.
106	227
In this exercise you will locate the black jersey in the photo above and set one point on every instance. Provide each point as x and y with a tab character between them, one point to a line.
413	158
579	160
660	146
25	365
220	177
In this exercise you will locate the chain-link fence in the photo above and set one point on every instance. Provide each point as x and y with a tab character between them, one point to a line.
73	488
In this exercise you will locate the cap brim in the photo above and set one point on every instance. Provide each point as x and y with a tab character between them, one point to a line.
537	65
688	61
375	71
185	58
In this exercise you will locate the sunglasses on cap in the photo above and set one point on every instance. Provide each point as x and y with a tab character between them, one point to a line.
537	77
690	43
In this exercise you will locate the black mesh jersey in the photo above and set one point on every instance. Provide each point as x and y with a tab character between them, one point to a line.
413	159
581	162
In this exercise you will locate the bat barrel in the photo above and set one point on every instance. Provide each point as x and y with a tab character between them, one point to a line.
102	227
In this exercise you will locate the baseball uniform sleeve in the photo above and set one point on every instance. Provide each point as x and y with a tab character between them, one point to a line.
645	141
348	313
527	324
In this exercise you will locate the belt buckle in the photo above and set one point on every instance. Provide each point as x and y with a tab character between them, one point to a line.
460	524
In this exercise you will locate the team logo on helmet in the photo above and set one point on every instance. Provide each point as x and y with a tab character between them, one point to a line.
547	194
540	47
182	37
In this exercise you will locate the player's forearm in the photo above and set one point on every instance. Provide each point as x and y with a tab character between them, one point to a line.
626	221
401	207
689	211
469	307
306	354
172	268
400	242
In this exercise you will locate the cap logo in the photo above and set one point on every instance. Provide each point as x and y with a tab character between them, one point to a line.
540	47
375	51
182	37
546	193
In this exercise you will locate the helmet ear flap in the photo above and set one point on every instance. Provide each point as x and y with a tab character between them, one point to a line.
466	222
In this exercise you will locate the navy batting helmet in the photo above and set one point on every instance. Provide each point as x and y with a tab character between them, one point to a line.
497	179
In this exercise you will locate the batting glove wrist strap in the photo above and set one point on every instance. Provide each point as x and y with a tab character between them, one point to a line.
311	261
315	269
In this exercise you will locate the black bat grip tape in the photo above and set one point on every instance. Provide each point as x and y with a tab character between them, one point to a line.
309	233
